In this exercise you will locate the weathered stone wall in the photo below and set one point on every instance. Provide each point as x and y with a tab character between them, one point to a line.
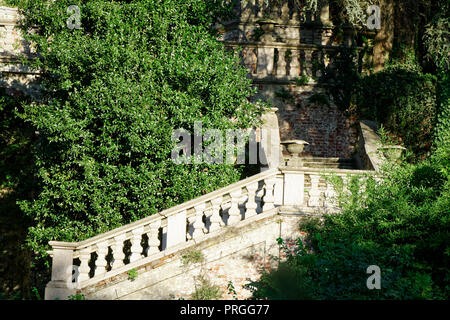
237	255
16	78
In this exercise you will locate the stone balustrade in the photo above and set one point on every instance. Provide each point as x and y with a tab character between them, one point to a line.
280	62
78	265
115	251
286	12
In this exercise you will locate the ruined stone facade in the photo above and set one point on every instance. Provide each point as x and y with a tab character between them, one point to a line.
283	55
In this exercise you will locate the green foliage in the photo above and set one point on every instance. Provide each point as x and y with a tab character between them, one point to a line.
401	224
386	137
257	34
437	39
232	290
302	80
114	92
15	144
36	293
205	290
284	94
77	297
404	101
341	76
193	256
132	274
319	98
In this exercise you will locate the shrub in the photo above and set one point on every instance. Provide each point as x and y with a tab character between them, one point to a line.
113	92
205	290
404	101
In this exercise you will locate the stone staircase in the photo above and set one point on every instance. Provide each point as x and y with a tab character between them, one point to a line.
229	224
329	163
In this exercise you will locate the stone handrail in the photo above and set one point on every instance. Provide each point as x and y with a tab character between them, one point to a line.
279	61
185	222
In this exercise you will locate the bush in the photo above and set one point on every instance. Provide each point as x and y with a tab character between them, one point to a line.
404	101
401	224
113	93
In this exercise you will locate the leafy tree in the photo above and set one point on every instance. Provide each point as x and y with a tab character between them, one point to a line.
113	92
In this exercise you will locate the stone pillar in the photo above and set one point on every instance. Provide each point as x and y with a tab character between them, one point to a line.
270	140
61	286
308	61
265	61
295	64
294	188
281	63
176	229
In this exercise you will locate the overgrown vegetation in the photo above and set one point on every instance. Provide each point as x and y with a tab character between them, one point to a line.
114	92
401	223
205	290
192	257
132	274
93	153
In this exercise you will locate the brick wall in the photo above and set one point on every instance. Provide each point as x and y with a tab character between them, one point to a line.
329	132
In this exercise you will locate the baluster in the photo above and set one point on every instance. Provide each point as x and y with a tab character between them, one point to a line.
295	13
153	241
251	203
314	193
308	62
285	14
265	61
215	216
198	223
345	184
295	64
118	254
259	196
234	212
246	10
260	7
330	196
136	247
85	256
281	63
269	197
100	263
319	59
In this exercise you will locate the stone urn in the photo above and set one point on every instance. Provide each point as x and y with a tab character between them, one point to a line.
392	153
295	147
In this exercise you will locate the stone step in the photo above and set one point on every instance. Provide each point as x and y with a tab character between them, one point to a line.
328	165
332	163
